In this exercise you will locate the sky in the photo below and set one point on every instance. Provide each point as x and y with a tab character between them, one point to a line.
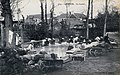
31	7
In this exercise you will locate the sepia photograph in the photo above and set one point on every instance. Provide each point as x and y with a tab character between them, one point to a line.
59	37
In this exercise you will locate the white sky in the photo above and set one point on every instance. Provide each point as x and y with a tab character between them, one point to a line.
31	7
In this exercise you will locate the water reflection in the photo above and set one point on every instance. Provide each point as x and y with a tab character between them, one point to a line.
57	49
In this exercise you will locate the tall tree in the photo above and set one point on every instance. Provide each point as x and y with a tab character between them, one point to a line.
8	20
51	16
14	4
9	7
92	11
87	20
46	11
42	11
112	24
106	12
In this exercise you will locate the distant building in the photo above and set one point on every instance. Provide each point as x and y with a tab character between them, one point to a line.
75	22
73	19
34	19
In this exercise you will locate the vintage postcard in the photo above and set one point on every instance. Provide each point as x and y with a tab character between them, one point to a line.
59	37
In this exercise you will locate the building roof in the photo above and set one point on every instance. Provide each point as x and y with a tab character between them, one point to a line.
61	16
36	16
78	15
73	19
74	15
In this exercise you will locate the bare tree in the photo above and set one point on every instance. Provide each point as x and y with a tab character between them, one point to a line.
87	20
14	4
51	16
42	10
46	11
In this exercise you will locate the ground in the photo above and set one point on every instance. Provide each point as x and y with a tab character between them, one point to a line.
102	65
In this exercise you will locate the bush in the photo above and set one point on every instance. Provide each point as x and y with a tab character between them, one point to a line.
10	62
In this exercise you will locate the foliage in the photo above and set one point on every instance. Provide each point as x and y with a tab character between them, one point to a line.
36	32
12	63
64	31
112	21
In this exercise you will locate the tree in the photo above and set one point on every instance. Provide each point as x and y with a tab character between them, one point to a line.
42	11
64	29
87	19
14	4
52	17
112	21
8	7
46	12
6	13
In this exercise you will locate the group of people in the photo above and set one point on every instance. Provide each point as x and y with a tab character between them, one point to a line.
47	42
81	40
71	39
105	39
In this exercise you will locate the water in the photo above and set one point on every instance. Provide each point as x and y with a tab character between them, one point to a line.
59	49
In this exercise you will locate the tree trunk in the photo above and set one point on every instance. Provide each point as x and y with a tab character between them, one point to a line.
92	12
46	11
42	12
14	39
106	13
87	20
51	15
7	19
2	35
119	25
